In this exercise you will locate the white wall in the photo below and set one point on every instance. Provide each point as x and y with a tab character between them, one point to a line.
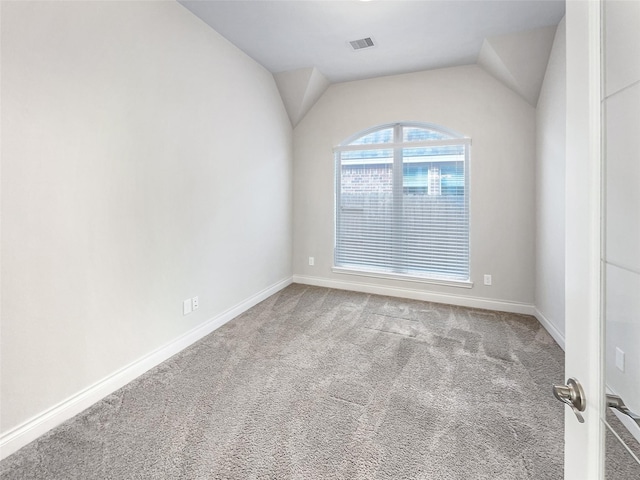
550	188
145	160
465	99
622	200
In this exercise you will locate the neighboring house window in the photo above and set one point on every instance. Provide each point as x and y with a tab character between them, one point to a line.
402	203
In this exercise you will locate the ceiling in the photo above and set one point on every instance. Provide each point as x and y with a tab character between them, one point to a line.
409	35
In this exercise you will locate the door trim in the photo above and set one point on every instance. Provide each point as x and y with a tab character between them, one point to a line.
584	458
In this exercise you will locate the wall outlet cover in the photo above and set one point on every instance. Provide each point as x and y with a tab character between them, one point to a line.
186	307
195	303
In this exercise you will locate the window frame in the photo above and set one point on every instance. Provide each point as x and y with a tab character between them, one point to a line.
397	145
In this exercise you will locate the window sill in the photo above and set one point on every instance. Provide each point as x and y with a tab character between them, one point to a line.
403	277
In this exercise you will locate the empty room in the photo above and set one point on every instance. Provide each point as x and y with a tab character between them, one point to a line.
359	239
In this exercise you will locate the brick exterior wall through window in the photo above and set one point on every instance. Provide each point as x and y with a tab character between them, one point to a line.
378	179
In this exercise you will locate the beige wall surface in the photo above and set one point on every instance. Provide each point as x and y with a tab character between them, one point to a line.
550	185
465	99
145	160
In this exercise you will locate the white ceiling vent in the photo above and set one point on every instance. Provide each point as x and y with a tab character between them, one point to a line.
362	43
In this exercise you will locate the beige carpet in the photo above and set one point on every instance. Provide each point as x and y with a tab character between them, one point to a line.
315	383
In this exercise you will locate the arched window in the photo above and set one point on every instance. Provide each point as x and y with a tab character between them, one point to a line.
402	203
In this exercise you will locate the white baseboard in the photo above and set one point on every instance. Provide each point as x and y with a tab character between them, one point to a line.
462	300
18	437
551	328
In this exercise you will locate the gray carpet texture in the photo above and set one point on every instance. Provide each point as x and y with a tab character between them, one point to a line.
315	383
620	463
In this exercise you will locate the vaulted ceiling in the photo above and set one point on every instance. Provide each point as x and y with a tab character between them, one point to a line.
305	44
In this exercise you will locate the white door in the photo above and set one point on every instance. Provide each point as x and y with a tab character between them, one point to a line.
583	441
589	216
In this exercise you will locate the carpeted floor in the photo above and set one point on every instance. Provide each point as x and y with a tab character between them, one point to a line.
315	383
619	463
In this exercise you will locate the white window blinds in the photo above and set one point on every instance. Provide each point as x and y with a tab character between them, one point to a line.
402	203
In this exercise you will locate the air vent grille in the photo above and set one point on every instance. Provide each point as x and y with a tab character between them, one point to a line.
362	43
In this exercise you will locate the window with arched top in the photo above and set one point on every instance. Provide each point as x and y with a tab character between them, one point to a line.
402	203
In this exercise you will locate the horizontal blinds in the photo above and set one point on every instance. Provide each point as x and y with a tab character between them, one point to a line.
404	210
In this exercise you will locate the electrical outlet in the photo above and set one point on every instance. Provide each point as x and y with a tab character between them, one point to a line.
312	261
195	303
620	359
487	279
186	307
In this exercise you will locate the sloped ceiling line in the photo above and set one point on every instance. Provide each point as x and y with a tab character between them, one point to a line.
300	90
519	60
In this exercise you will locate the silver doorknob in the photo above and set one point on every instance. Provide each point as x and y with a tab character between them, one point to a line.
616	402
573	395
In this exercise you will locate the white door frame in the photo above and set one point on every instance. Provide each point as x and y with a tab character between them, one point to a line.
584	457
